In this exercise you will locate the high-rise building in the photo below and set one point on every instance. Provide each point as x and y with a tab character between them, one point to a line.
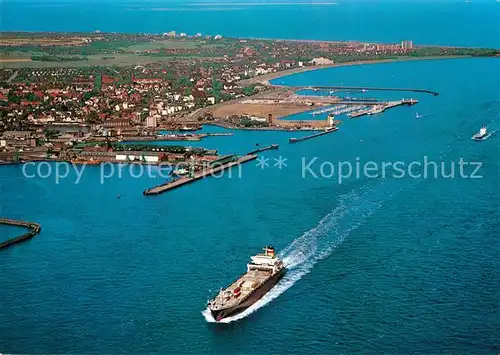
407	45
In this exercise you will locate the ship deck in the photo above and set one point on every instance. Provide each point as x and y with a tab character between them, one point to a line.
251	280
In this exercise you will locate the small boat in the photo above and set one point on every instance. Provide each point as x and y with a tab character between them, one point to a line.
481	135
418	115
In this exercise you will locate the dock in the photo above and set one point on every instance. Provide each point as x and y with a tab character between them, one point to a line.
328	130
34	229
272	146
197	176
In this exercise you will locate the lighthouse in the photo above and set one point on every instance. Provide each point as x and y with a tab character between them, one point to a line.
330	120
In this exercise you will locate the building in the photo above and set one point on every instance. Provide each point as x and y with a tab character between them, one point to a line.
117	123
151	121
407	45
16	135
321	61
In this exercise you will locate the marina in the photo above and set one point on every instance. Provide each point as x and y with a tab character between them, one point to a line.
381	107
338	109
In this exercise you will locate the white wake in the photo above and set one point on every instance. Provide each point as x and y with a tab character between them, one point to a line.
316	244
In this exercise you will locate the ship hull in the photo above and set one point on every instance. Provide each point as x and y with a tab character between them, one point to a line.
254	297
480	138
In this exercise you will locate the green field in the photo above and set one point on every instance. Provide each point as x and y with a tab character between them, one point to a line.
167	44
170	44
93	60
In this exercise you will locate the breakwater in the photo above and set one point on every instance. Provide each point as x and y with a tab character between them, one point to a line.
34	229
363	88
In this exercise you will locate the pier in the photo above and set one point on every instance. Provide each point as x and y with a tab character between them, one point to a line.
328	130
34	229
197	176
272	146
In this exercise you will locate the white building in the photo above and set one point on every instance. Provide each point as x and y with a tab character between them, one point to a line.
151	121
321	61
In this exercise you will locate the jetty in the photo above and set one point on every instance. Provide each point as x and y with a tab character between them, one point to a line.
34	229
217	166
328	130
272	146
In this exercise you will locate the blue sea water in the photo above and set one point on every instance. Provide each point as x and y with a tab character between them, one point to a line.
376	265
448	22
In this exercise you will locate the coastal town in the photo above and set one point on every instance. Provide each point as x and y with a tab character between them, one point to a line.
87	98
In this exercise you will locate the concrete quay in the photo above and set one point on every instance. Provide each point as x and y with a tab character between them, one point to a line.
197	176
328	130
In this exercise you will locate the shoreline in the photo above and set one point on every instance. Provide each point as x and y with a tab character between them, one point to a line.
230	37
266	78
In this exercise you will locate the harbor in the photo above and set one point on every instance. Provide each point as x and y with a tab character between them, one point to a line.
34	229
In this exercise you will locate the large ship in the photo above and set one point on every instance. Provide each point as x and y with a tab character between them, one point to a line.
481	135
263	272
